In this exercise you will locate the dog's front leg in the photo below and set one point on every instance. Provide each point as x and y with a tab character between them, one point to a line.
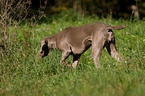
75	60
65	55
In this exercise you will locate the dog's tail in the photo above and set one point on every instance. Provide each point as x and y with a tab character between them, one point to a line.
111	27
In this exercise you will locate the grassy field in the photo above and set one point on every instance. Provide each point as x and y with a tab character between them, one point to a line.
23	73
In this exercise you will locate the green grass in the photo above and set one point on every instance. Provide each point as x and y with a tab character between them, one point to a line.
23	73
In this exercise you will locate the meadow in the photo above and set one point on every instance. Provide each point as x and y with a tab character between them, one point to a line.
23	73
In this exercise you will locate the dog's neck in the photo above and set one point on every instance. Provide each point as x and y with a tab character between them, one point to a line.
52	42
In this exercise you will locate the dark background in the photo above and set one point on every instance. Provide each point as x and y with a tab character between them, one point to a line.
115	8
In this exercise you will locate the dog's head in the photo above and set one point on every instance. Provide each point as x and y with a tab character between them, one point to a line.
44	49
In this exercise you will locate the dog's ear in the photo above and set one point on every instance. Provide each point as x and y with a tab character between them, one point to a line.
44	48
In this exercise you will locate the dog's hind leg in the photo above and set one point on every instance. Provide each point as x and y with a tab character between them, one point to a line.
112	51
97	47
111	48
96	52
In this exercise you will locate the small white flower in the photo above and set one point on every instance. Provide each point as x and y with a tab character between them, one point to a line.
143	39
60	29
127	33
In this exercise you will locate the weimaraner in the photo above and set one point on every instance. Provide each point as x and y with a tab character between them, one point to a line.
76	40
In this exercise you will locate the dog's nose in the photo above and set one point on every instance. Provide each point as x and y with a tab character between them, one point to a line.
41	52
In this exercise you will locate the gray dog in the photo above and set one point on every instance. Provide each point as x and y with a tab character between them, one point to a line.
76	40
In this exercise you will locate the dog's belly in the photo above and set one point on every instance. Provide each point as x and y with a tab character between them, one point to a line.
78	39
